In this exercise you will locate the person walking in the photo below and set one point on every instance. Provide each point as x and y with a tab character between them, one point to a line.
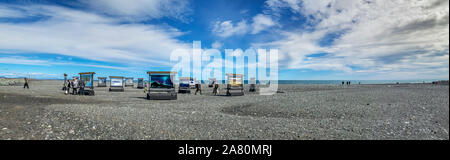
26	84
68	87
75	86
216	89
81	85
198	87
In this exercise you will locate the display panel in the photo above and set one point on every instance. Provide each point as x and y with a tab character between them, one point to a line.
184	83
129	81
116	82
102	81
86	78
160	81
235	81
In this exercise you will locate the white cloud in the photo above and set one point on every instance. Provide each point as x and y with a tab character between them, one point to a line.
277	6
141	9
217	45
261	22
6	12
38	62
22	60
386	38
33	75
87	35
227	28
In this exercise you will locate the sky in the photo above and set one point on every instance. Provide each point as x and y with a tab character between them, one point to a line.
316	39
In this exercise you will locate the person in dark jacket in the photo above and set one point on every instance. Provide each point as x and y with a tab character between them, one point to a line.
81	85
68	87
216	88
26	84
198	88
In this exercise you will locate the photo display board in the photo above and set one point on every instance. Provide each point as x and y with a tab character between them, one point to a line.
161	81
87	79
184	82
129	81
116	82
235	80
102	81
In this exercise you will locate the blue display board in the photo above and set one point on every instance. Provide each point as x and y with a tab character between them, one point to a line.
87	79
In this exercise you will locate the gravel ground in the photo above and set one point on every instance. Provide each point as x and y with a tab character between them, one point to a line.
405	111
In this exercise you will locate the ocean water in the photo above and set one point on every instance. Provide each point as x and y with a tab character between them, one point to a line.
351	81
332	81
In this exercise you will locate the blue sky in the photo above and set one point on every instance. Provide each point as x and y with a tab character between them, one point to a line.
326	39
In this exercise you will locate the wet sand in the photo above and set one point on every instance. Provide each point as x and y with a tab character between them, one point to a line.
404	111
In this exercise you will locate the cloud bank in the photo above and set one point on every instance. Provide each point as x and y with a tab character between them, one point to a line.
370	38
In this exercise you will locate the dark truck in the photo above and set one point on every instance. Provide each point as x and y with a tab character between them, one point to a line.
161	86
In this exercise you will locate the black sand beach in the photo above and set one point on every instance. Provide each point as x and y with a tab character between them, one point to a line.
404	111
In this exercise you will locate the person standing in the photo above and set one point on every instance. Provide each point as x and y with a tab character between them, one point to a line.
75	86
216	88
198	87
26	84
81	85
68	87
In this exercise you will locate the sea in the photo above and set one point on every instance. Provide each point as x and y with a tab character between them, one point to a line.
334	81
351	81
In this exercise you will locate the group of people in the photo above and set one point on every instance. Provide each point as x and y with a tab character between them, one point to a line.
76	85
348	82
198	88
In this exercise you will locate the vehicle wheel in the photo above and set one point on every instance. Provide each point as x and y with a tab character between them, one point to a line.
110	89
148	97
91	93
